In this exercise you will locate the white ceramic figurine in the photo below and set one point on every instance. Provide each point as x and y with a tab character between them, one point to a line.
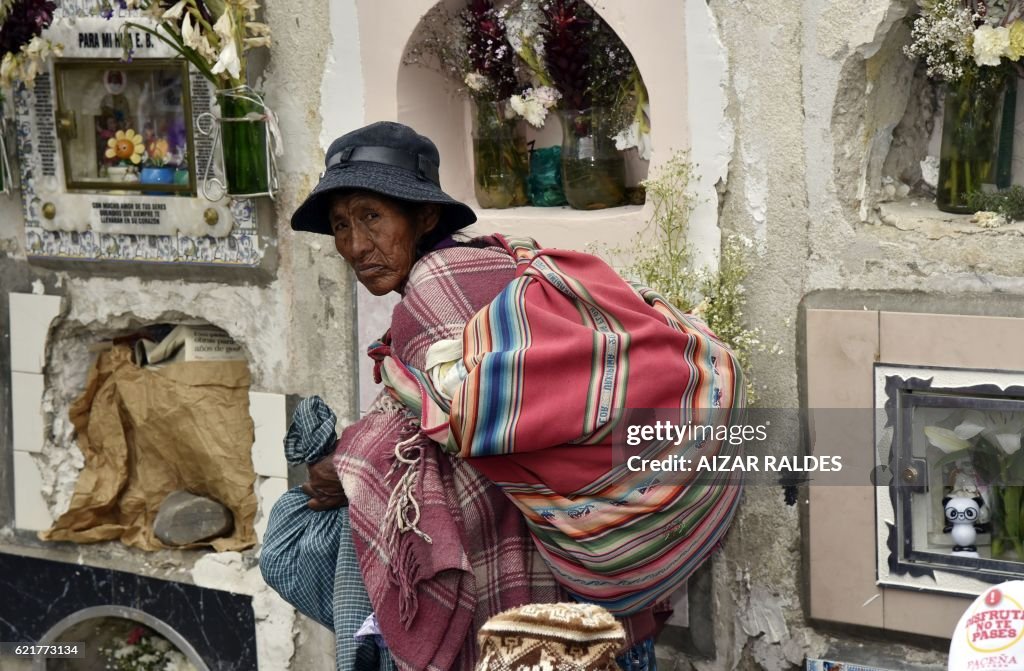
963	519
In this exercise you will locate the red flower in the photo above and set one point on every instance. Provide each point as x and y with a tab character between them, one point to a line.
135	636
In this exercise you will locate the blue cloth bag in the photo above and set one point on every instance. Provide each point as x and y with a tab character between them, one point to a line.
308	556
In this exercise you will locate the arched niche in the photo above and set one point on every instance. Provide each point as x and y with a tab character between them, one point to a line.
675	46
95	627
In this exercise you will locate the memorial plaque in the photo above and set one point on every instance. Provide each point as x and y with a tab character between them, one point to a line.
112	162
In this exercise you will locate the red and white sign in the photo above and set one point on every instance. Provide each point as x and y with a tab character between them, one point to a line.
990	635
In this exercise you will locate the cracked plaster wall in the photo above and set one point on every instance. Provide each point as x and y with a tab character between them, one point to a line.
817	88
294	326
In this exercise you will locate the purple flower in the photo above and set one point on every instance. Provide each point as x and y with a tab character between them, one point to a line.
25	20
176	134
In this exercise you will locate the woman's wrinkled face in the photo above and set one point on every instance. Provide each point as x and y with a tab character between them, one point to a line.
378	236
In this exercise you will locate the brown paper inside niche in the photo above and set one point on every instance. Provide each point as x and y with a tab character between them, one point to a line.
145	433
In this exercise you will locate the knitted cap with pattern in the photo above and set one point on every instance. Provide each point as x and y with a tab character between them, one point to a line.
551	636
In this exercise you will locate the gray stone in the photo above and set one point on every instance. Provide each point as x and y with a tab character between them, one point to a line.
185	518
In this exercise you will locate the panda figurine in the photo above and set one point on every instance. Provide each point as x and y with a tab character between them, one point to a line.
963	517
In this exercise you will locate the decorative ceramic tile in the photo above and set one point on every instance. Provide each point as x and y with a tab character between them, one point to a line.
30	317
26	411
30	511
268	417
268	492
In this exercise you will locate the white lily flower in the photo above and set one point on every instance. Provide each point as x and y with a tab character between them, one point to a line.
627	138
30	68
206	50
175	12
8	67
189	35
973	424
254	42
1009	442
194	39
224	27
35	47
644	146
228	61
258	29
250	7
944	439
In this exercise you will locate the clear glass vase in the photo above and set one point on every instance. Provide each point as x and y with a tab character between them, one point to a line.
1007	534
244	144
593	170
972	115
499	157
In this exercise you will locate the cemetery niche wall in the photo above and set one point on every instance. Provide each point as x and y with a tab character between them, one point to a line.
118	154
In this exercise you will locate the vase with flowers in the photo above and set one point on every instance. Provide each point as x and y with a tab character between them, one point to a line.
160	164
142	649
988	445
974	48
24	53
470	47
215	37
123	156
524	59
499	144
595	74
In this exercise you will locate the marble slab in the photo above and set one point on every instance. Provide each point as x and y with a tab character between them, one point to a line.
38	593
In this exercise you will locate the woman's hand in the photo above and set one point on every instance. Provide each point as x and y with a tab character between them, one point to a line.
323	486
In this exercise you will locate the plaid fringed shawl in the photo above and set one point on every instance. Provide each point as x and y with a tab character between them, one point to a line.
440	548
551	361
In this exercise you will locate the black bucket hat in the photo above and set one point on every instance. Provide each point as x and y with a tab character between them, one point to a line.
387	158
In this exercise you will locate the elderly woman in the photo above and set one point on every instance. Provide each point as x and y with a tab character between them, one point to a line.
440	549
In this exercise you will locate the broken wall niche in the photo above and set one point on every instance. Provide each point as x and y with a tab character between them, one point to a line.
55	352
898	122
157	454
882	119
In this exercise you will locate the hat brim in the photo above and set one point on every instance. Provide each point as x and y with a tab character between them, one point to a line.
379	178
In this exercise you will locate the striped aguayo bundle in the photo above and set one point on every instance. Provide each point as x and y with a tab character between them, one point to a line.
564	636
553	362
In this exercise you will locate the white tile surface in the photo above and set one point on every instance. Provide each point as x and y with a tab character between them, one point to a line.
30	511
268	416
27	414
267	493
30	320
